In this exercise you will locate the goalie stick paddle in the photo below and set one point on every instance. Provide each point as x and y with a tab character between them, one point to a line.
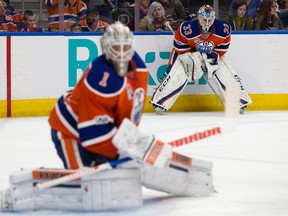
112	164
81	173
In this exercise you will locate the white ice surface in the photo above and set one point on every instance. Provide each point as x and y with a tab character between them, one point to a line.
250	163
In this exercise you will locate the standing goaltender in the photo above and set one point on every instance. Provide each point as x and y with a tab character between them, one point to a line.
198	49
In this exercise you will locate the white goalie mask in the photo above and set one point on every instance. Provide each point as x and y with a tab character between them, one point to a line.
206	16
117	45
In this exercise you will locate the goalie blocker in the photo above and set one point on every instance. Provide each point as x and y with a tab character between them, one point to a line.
162	169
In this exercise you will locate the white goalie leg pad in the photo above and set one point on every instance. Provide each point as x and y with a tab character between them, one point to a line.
182	176
224	76
244	97
131	141
171	87
119	189
108	190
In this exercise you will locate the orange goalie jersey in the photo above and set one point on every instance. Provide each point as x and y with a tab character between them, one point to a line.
108	99
55	11
188	38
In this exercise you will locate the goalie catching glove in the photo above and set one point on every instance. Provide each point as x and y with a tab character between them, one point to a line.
211	66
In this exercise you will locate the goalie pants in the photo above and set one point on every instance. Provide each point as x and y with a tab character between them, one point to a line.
73	154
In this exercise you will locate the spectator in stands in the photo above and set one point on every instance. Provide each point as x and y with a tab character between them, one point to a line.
9	7
155	19
9	19
109	9
93	22
75	27
267	17
175	12
253	6
86	2
30	23
127	3
54	14
143	7
78	12
239	18
105	8
283	14
111	3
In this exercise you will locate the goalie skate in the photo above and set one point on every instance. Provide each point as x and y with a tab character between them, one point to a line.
159	110
4	205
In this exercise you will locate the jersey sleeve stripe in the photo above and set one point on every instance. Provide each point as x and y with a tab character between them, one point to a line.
66	118
98	120
99	139
222	47
95	131
181	46
142	70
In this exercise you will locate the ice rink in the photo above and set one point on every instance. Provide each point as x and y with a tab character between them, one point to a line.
250	163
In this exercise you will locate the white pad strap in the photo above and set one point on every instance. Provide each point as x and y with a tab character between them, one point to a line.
211	66
131	141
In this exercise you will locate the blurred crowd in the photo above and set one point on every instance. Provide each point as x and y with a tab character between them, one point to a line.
152	15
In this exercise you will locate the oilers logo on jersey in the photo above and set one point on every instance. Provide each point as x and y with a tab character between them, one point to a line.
205	46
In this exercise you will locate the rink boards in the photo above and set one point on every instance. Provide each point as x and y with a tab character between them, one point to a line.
37	69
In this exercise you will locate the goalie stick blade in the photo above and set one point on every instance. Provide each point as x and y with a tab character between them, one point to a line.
232	109
232	100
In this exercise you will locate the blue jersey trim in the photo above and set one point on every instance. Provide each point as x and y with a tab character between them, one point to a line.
81	34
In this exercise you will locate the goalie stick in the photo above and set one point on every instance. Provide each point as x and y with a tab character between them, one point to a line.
112	164
214	91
